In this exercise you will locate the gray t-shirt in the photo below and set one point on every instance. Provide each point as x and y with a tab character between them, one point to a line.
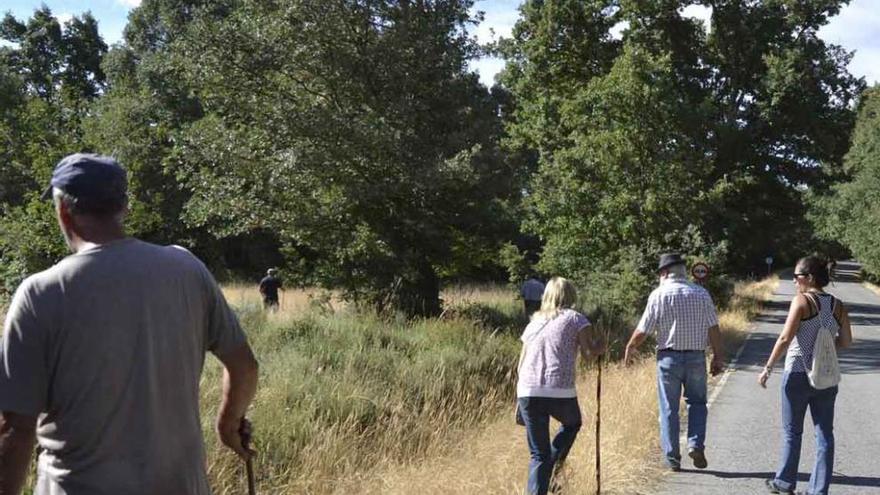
107	348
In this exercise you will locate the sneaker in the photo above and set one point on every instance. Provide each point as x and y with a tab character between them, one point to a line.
672	467
774	488
699	458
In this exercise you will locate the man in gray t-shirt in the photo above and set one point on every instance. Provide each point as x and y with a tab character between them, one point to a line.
102	355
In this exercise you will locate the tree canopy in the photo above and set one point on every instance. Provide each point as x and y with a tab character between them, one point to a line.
49	77
849	212
350	142
679	134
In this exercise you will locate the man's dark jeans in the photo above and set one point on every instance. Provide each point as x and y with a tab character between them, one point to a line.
270	304
530	307
536	413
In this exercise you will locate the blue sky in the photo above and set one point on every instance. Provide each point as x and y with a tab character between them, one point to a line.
856	28
111	14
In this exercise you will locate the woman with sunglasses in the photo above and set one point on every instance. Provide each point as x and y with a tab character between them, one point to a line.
812	310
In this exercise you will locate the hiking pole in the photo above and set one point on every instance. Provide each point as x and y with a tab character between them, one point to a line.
252	490
598	425
245	432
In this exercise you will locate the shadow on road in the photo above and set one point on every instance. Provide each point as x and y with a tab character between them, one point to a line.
778	310
836	479
863	314
859	314
847	271
862	358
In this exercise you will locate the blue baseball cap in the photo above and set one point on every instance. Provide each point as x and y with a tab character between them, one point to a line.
93	180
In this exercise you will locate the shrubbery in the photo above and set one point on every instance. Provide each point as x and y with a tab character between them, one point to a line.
341	392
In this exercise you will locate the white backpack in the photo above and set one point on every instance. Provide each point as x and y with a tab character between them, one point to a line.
825	370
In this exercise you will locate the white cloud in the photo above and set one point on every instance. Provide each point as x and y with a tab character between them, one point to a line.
699	12
63	18
617	30
487	68
130	3
856	28
500	17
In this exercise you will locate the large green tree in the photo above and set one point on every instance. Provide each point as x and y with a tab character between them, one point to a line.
351	132
677	135
49	78
849	212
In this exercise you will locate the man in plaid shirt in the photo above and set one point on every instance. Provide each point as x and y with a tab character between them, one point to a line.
682	317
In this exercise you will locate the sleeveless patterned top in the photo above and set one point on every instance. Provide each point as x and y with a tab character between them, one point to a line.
800	352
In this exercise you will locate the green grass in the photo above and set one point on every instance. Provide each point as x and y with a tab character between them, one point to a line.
343	392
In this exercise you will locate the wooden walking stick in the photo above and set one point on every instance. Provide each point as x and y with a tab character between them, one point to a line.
252	489
249	463
598	426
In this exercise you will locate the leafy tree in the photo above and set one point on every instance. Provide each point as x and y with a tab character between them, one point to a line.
140	117
350	132
49	77
371	149
849	213
676	132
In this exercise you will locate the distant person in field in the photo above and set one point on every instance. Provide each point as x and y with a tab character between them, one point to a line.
269	287
682	317
531	291
812	311
102	355
546	383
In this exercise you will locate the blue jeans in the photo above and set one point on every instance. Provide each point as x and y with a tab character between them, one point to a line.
797	394
677	371
536	413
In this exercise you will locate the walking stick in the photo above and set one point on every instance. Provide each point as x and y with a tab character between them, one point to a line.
598	426
252	490
249	464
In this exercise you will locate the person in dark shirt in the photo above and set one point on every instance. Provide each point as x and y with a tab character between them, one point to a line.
269	287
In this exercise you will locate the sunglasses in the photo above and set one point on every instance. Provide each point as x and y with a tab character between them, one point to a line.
799	275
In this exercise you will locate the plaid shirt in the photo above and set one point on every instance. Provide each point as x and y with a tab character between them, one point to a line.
680	313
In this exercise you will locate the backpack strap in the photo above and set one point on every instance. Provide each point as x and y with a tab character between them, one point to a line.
813	302
828	312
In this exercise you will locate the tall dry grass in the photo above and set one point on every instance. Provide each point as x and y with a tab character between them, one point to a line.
492	459
292	302
343	392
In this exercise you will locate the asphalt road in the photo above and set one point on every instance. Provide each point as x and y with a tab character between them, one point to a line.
744	436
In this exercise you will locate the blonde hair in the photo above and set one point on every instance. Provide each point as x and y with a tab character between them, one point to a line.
558	295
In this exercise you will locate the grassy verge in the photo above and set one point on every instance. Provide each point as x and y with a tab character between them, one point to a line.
492	459
342	393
